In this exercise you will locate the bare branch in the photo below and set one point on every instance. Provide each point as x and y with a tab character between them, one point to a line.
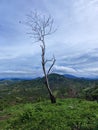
40	25
51	65
50	60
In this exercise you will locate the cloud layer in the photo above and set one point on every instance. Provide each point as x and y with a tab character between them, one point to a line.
75	44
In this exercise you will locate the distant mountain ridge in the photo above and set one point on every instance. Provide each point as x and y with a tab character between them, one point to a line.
76	77
15	79
32	78
70	76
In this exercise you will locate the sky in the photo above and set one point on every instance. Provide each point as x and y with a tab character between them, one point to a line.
74	44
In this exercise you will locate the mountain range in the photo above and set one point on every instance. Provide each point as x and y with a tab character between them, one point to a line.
15	78
63	86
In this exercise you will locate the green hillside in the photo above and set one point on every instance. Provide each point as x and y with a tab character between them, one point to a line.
25	90
25	105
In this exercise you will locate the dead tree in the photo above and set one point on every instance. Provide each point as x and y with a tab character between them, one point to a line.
42	26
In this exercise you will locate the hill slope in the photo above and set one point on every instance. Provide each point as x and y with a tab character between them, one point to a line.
69	114
15	92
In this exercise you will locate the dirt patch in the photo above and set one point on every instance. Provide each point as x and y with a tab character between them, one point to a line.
4	117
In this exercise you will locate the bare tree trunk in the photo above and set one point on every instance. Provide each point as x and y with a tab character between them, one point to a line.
52	98
42	26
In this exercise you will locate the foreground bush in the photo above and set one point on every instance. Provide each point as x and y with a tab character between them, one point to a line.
69	114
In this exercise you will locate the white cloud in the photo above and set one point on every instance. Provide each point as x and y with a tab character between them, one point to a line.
82	72
11	52
64	69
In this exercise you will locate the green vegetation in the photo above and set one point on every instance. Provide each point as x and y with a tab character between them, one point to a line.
24	104
66	114
14	92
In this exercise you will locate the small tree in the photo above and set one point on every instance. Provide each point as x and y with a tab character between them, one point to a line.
42	26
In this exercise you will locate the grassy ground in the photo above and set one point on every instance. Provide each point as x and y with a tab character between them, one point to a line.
66	114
